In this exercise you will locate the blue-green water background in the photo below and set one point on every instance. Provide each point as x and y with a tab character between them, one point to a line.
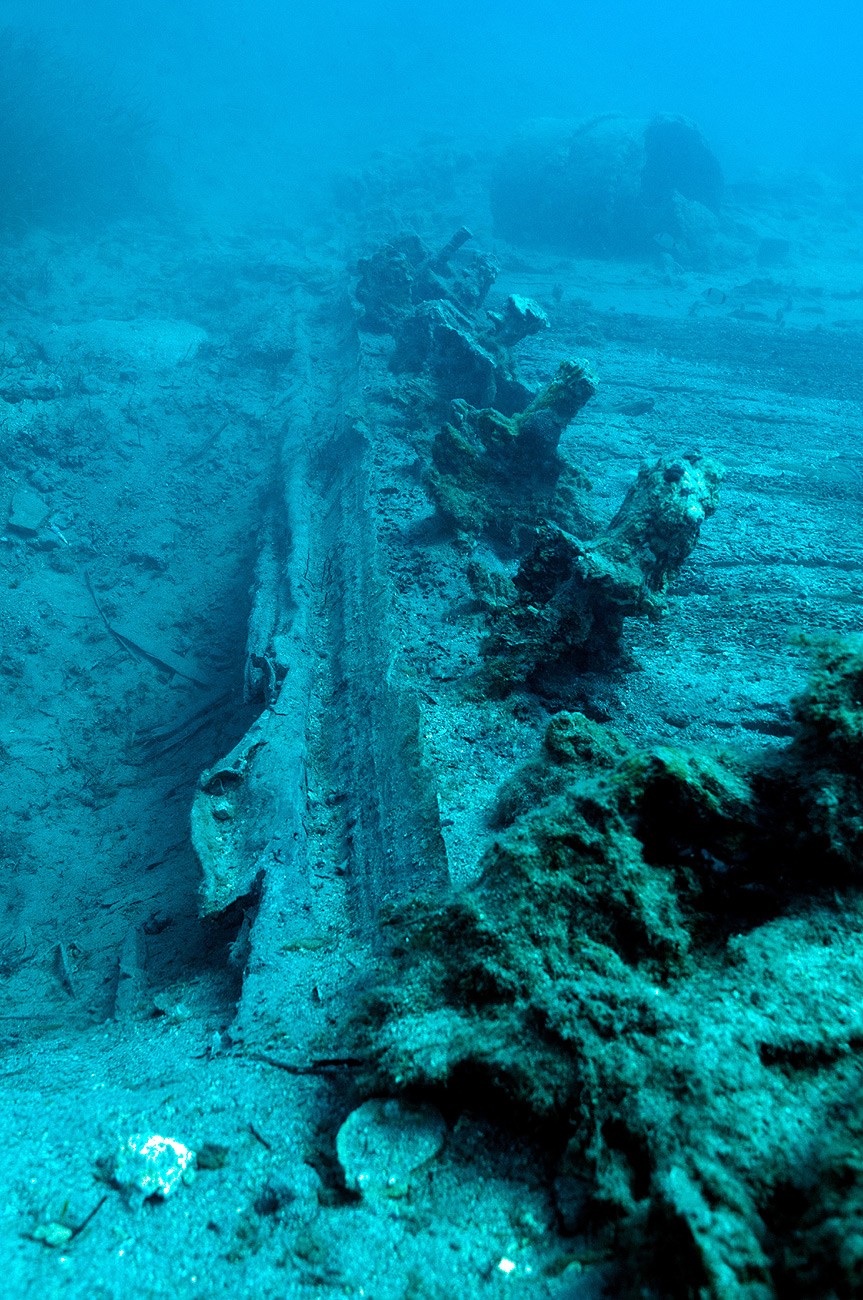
256	101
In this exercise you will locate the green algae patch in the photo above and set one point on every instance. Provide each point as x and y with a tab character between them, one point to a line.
827	758
573	746
661	966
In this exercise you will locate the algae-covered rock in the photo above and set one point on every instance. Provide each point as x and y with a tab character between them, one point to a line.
566	894
573	747
704	1233
822	1243
385	289
697	812
825	803
53	1234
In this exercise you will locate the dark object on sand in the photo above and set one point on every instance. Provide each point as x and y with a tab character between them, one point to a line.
608	186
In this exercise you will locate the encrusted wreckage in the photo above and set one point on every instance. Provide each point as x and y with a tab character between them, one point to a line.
431	307
607	978
591	978
496	475
493	471
569	599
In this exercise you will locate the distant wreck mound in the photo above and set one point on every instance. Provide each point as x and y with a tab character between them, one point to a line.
608	186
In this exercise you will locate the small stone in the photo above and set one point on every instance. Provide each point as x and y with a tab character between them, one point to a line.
27	512
156	922
639	406
61	562
152	1165
675	718
384	1141
212	1155
223	810
53	1234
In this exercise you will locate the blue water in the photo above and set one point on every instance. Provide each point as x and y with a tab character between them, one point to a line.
256	101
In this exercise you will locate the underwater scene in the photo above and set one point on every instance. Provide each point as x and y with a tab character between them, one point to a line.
431	475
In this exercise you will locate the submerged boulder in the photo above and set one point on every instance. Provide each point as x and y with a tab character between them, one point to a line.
607	186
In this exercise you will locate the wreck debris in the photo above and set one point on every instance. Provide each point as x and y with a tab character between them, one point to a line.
137	641
431	307
437	337
440	263
131	975
570	599
404	273
64	968
519	318
582	959
146	647
226	846
499	475
158	741
464	357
